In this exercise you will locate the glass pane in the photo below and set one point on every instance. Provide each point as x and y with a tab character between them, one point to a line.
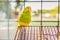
12	0
59	11
32	0
49	23
16	10
59	23
35	24
3	20
4	15
16	0
3	31
50	11
3	0
36	6
58	0
50	0
12	30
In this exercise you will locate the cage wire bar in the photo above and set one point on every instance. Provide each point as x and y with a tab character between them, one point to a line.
40	32
8	20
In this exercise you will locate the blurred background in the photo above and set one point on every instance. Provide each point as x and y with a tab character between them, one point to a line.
11	9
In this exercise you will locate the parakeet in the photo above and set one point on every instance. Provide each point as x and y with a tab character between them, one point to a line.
24	19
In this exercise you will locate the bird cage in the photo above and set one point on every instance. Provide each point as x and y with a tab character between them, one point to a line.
39	33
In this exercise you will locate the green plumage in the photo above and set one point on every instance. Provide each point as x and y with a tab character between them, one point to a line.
25	17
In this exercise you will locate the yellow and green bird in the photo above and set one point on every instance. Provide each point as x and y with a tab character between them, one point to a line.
24	19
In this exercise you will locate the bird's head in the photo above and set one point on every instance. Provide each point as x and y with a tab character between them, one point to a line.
28	9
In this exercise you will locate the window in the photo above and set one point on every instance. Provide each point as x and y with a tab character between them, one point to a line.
45	14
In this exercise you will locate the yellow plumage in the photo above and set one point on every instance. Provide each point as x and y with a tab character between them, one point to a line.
25	18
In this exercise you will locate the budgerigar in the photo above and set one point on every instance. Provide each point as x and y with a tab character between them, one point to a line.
24	19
